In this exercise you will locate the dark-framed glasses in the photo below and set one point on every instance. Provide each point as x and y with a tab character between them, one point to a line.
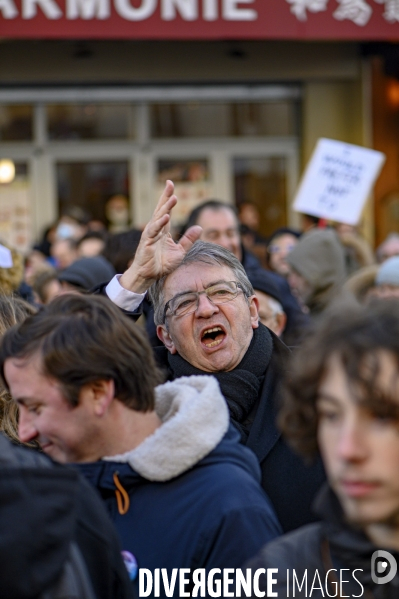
187	303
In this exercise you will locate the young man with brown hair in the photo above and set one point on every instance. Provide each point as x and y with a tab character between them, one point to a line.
181	491
343	399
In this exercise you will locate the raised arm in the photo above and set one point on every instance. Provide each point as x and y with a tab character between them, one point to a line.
157	253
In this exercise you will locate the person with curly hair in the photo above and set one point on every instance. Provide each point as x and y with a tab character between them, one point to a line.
342	399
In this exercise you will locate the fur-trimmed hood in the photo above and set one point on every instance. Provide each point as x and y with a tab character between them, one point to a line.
188	496
194	419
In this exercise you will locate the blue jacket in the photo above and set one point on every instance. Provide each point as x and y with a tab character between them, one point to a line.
211	514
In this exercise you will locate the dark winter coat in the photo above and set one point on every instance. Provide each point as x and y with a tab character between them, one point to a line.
44	507
194	494
329	544
290	484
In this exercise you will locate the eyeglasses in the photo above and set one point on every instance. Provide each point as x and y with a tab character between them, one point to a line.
276	249
187	303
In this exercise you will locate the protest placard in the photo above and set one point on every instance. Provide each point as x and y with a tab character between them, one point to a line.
337	181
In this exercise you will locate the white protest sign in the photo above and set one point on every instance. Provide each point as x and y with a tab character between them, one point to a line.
337	181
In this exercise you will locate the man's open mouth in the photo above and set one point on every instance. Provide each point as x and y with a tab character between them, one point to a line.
213	336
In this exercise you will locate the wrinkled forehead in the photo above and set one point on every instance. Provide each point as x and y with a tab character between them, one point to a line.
196	277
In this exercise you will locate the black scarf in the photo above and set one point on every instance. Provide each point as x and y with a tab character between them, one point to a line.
241	386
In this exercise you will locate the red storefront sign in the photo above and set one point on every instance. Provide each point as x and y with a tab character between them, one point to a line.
201	19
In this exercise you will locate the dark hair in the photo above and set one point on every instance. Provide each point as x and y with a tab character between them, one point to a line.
83	339
195	214
41	281
356	335
101	235
283	231
311	218
120	248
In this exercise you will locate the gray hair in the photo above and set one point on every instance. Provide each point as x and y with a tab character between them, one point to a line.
206	253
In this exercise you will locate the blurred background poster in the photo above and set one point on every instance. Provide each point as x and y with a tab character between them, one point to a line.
15	215
192	182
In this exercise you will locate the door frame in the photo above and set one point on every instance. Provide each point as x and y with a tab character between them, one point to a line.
220	152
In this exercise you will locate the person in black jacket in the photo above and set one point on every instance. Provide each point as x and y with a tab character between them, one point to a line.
45	509
343	399
220	334
180	489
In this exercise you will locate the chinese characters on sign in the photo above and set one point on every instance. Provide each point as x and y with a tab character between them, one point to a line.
358	11
200	19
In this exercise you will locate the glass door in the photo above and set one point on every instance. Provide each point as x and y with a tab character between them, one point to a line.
262	172
262	181
89	185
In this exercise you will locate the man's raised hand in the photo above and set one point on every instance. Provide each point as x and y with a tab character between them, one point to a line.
157	253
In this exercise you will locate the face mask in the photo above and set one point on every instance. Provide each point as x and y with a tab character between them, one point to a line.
65	231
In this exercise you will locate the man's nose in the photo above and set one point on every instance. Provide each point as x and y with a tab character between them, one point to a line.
352	443
205	307
26	429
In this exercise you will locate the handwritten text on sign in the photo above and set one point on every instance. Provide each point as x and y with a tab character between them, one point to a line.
337	181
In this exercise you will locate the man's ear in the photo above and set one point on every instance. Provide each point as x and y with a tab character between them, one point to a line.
281	320
164	336
100	394
254	311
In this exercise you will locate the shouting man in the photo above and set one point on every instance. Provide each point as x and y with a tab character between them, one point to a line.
206	314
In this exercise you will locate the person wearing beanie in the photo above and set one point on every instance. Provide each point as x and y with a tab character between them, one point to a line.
317	270
271	312
86	273
387	279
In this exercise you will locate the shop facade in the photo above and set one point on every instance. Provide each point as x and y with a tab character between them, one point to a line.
226	97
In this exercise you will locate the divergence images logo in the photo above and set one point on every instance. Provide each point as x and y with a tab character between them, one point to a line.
384	563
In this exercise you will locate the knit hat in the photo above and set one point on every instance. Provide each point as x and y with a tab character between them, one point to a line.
261	280
87	273
388	273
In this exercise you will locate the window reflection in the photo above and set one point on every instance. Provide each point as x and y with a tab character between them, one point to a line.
89	121
90	184
263	181
16	123
195	119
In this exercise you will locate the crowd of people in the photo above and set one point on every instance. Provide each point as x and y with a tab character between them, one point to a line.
179	407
